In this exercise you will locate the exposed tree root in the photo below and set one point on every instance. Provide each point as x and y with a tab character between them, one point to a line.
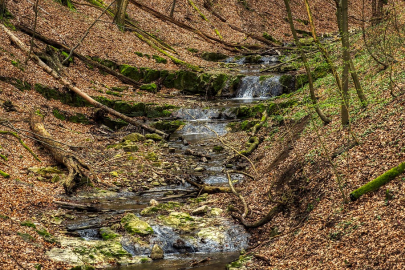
245	206
263	120
267	218
86	60
69	85
78	170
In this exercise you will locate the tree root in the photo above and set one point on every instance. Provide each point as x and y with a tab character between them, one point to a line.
245	206
208	188
21	142
270	215
78	170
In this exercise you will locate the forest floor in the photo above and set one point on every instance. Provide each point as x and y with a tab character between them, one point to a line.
316	230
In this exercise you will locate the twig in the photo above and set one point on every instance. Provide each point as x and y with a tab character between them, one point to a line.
245	207
34	29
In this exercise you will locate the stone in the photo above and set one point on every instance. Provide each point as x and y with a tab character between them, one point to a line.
157	253
134	137
134	225
107	233
172	150
153	136
204	159
153	202
216	211
185	142
199	169
149	142
212	234
156	183
129	148
200	210
229	165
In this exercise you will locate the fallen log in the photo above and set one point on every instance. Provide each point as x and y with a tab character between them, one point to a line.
378	182
69	85
76	206
85	59
257	127
78	170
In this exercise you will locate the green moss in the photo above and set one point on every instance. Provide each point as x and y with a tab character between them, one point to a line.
28	224
66	97
159	59
105	62
252	144
271	38
58	114
113	93
131	72
218	148
247	124
154	137
152	88
79	118
265	77
134	225
108	233
67	3
192	50
253	59
168	126
26	237
119	88
139	54
19	84
159	208
378	182
150	75
152	156
287	81
213	56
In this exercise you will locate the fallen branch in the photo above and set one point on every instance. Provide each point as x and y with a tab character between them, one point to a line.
4	174
252	144
270	215
76	206
78	170
86	60
69	85
263	120
208	188
378	182
245	206
14	134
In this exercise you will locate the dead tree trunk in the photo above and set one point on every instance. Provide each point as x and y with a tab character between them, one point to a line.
173	7
78	170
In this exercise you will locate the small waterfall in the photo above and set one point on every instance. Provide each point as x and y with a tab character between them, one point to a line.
255	87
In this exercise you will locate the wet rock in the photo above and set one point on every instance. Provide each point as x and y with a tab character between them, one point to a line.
153	136
134	225
134	137
153	202
179	244
157	253
216	211
185	142
172	150
200	210
199	169
212	234
107	233
204	159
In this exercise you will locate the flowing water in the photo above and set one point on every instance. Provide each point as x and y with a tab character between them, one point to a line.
182	251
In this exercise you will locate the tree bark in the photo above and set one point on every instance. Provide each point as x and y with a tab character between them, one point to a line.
378	182
346	61
86	97
121	8
172	9
325	119
78	170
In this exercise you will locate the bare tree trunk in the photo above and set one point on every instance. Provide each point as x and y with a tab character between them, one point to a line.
346	61
119	18
172	10
325	119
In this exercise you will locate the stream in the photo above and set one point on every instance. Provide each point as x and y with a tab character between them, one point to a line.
212	236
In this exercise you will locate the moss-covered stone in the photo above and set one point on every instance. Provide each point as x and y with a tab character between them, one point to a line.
134	137
287	81
105	62
152	88
151	75
253	59
154	136
131	72
134	225
213	56
218	148
152	156
66	97
160	208
168	126
107	233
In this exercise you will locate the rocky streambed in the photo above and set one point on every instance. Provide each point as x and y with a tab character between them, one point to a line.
168	224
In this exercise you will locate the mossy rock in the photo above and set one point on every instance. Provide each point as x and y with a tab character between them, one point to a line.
151	75
66	97
159	208
151	155
114	124
168	126
152	88
79	118
271	38
253	59
19	84
107	63
218	148
213	56
131	72
107	233
134	225
154	136
288	83
134	137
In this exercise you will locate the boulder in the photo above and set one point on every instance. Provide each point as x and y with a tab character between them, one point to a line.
157	253
153	136
134	137
200	210
134	225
